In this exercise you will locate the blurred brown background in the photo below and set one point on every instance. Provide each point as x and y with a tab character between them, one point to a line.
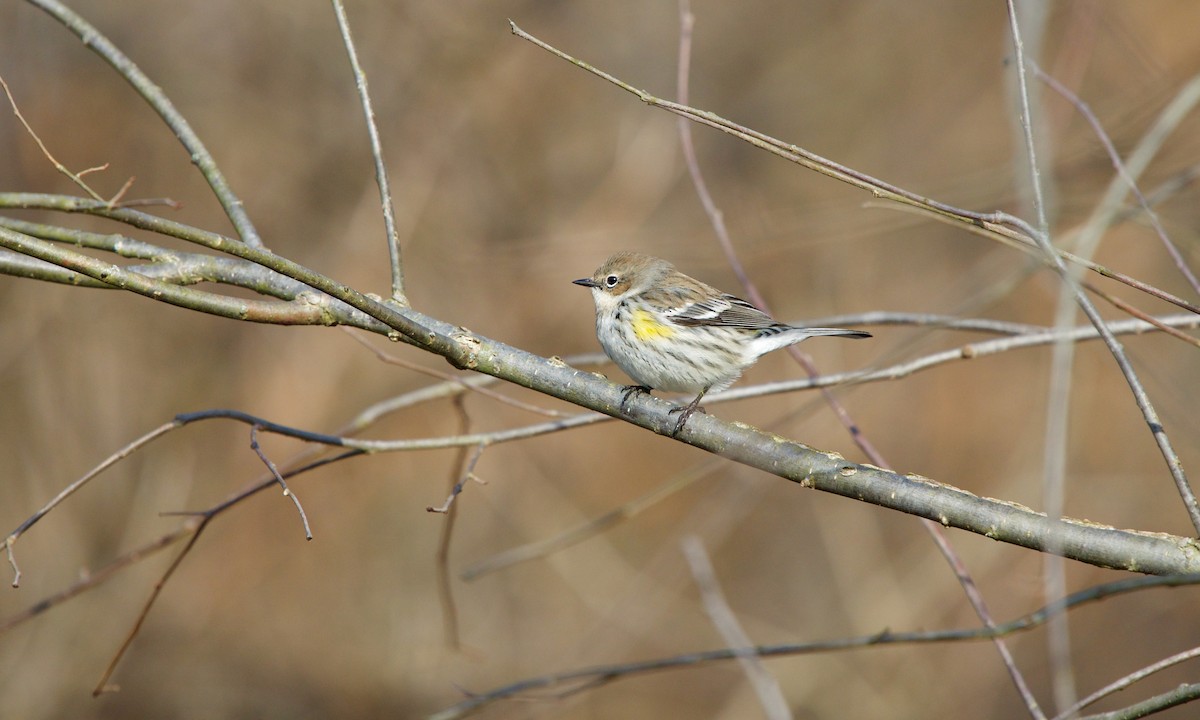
514	173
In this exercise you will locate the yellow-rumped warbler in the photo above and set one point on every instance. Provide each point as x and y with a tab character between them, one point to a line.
671	332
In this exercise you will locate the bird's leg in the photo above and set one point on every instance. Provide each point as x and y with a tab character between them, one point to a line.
630	391
686	411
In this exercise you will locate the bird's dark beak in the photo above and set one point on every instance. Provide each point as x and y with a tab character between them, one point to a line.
586	282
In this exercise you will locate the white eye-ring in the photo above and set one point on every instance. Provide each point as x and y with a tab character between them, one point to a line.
611	281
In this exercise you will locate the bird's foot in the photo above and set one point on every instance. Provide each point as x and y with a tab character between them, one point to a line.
630	391
685	412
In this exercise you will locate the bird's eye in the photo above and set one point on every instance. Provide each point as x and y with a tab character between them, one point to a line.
611	281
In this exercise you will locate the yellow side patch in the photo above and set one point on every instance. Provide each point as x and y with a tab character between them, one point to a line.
647	327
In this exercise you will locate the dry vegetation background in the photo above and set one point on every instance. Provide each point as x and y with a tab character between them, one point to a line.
515	173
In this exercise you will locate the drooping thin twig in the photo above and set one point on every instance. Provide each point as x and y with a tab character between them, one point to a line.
467	475
287	492
200	521
381	175
95	577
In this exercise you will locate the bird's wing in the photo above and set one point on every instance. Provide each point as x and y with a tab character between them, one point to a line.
723	311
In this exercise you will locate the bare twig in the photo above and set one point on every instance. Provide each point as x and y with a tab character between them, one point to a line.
381	176
287	492
1062	351
307	309
969	351
880	189
402	321
467	474
76	178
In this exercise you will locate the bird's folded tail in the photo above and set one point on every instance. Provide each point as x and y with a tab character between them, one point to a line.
780	336
838	332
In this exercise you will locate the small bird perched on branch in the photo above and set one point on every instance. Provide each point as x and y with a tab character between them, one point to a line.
672	332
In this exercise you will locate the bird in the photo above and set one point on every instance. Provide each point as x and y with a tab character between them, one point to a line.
671	332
